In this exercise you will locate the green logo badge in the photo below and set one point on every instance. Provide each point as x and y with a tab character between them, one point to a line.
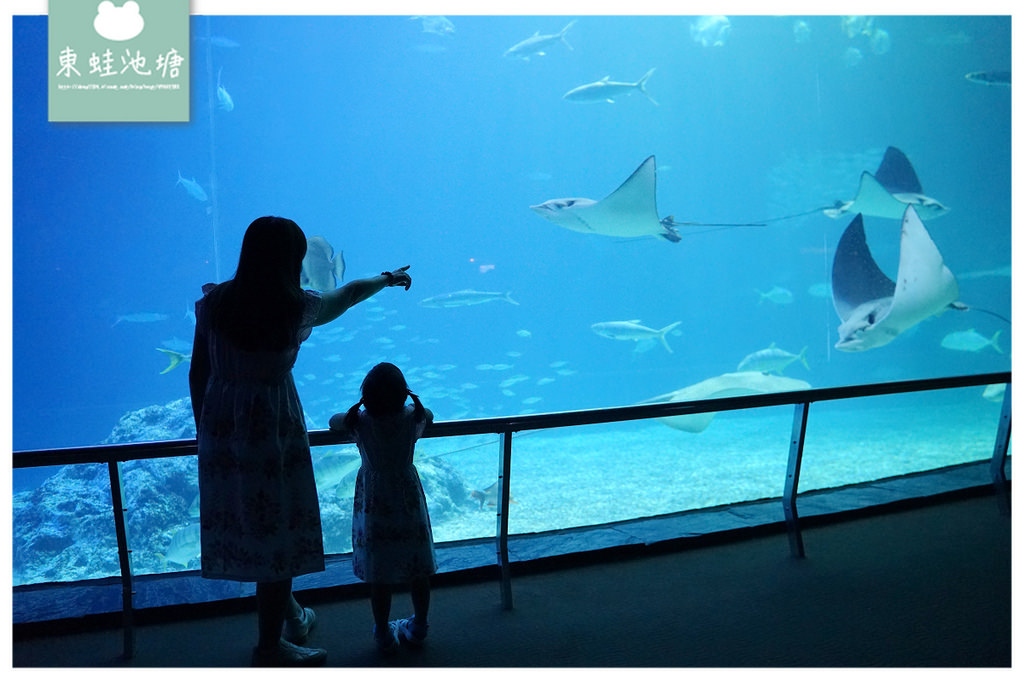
118	61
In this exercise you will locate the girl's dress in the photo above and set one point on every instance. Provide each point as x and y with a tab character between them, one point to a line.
259	514
391	537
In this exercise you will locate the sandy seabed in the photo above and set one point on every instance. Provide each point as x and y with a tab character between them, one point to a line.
596	474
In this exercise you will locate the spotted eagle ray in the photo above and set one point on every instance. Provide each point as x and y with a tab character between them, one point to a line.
874	310
629	211
886	194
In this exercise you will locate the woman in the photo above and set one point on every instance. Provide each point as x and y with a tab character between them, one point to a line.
259	514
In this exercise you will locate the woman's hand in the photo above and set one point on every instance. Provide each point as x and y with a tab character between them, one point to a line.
399	278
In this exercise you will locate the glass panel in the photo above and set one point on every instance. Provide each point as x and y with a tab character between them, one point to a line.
864	439
459	476
387	145
605	473
162	516
456	473
63	529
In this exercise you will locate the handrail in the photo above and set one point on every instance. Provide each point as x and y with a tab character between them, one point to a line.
498	425
114	454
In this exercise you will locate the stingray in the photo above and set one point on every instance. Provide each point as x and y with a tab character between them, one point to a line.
890	191
723	386
874	310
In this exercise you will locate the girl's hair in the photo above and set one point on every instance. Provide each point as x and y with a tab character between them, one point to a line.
261	307
384	391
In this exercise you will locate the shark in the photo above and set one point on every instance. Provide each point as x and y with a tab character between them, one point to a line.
722	386
606	90
537	43
887	193
632	330
322	269
629	211
873	309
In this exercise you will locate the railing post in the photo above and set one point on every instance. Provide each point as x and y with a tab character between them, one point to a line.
125	558
998	465
502	531
796	456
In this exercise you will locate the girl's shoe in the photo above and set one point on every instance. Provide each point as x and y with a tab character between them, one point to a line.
288	654
296	629
410	631
387	642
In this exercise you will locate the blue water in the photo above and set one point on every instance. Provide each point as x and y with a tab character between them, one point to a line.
405	147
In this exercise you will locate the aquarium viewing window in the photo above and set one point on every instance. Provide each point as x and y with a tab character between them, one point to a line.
598	211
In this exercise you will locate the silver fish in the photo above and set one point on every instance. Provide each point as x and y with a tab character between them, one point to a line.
771	360
632	330
223	98
989	77
466	297
606	90
969	340
537	43
322	269
778	295
489	496
442	26
192	187
994	393
184	546
140	318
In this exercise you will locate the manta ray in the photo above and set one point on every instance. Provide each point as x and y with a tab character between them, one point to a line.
889	191
629	211
873	309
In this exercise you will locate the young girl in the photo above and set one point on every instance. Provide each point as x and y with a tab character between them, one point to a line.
391	538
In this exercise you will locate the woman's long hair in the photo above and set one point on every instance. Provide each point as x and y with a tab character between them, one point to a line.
261	307
384	390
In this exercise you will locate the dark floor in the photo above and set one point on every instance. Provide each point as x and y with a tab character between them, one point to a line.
928	586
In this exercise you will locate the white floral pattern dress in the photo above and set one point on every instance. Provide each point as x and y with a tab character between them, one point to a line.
259	514
391	537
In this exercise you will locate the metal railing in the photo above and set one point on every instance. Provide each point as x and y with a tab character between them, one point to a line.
114	455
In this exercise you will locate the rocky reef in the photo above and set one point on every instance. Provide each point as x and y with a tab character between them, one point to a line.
64	529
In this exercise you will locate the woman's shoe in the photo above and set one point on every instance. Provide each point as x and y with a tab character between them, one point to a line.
296	629
289	654
412	632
